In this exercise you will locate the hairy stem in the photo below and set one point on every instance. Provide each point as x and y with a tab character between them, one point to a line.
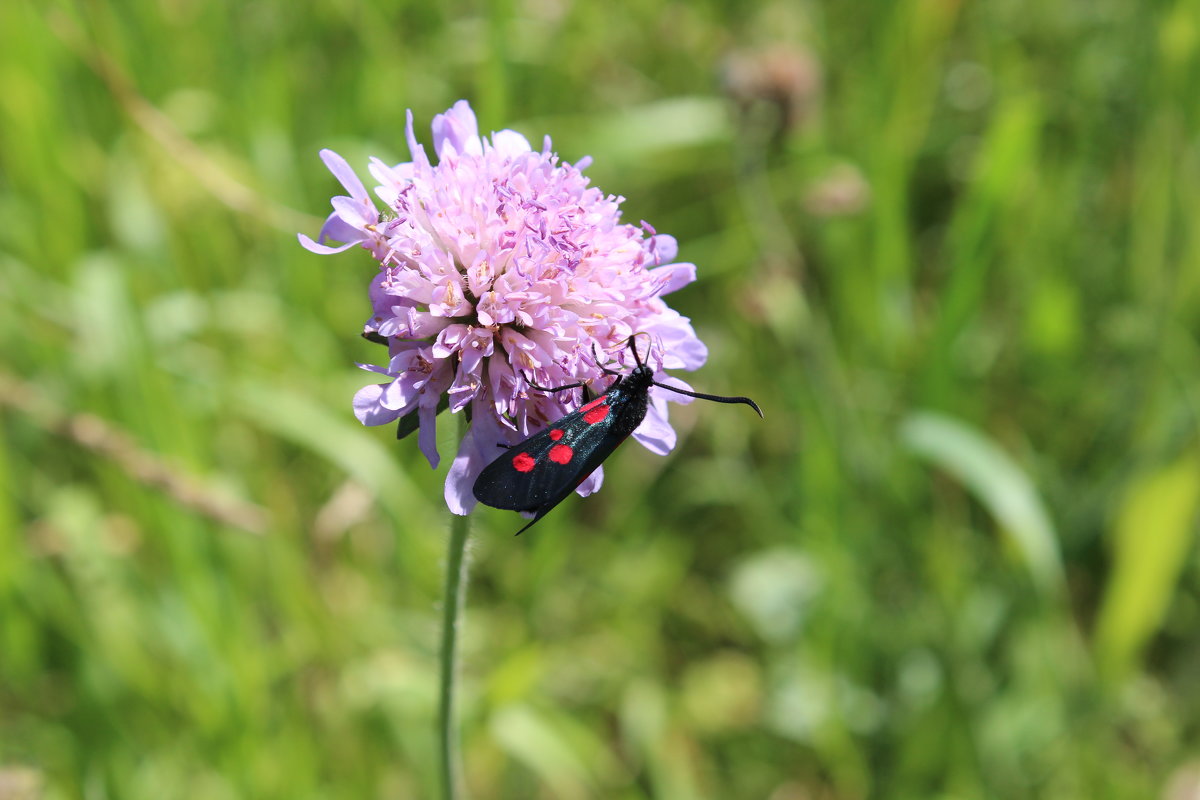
452	603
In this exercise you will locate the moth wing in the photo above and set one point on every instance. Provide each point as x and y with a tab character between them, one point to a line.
540	472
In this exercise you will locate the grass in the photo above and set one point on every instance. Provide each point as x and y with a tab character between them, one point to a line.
957	560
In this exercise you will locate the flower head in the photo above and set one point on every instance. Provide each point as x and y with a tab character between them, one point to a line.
500	267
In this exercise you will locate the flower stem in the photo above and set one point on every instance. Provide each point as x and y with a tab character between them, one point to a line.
452	602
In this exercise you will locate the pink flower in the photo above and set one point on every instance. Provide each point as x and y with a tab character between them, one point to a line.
499	266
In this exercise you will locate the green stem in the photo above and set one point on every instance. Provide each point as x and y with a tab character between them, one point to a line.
452	602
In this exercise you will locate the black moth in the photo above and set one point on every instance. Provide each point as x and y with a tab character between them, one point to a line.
539	473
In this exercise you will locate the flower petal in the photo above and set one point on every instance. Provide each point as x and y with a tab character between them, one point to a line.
673	277
655	433
450	339
339	230
345	175
591	483
368	408
420	161
477	449
460	498
354	212
427	433
665	248
312	247
457	129
510	143
391	179
400	393
681	349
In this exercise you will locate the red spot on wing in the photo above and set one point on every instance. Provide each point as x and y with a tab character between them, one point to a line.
555	435
593	403
593	415
561	454
523	462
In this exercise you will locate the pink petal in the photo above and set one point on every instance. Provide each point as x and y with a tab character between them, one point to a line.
345	175
355	212
368	409
339	230
460	480
681	349
450	340
480	273
311	246
655	433
591	483
477	449
400	393
427	433
378	370
665	248
409	285
391	179
673	276
419	159
457	129
510	143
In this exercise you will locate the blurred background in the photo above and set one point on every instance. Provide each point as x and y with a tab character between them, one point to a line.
951	249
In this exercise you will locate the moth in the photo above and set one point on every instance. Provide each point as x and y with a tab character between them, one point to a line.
539	473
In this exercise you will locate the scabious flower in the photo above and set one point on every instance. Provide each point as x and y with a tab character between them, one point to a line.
500	266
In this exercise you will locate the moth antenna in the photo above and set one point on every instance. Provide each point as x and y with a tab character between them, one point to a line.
716	398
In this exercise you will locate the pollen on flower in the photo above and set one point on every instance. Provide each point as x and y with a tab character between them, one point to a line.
498	265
